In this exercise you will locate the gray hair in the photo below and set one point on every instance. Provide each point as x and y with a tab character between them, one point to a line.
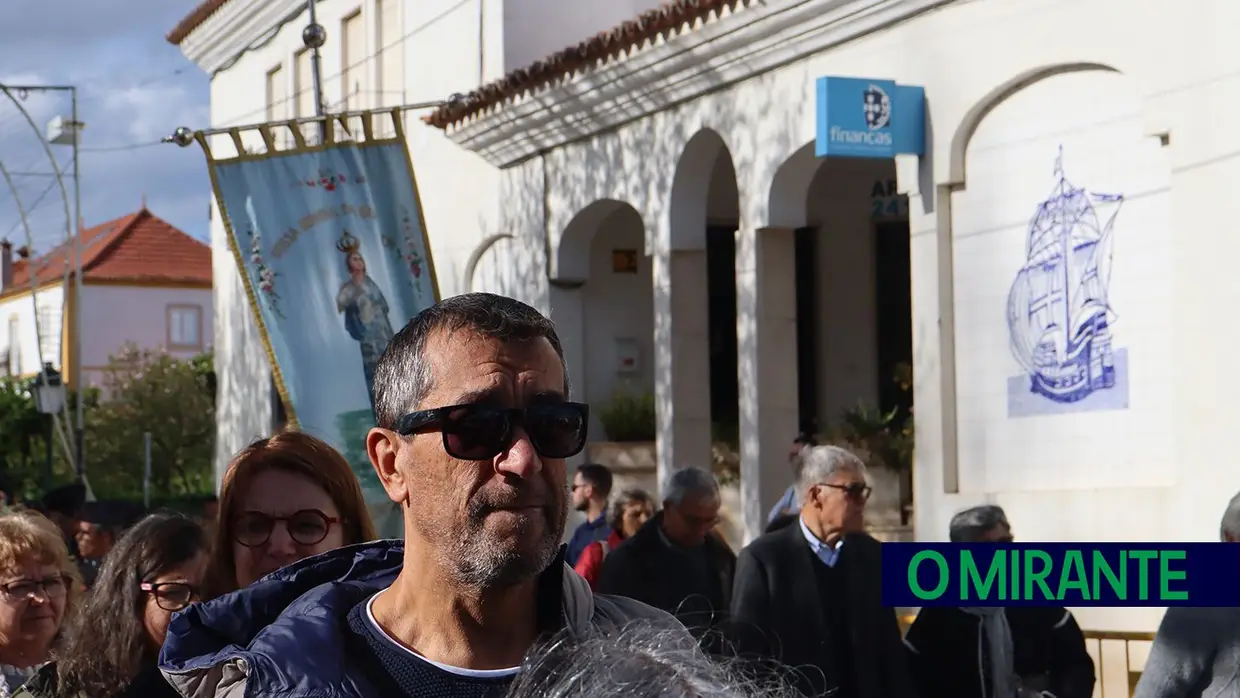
641	660
690	482
970	525
615	518
403	377
1230	527
819	463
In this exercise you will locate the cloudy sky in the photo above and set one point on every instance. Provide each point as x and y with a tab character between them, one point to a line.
134	88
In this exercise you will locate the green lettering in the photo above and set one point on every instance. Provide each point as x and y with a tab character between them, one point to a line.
1102	568
1072	576
1166	574
916	587
1013	578
971	577
1037	577
1143	572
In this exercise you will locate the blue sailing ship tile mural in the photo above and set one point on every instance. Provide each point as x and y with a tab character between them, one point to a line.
1059	313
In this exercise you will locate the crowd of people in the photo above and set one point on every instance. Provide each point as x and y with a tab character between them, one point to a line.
288	592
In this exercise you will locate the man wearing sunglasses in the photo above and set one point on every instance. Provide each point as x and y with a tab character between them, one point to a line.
475	423
810	596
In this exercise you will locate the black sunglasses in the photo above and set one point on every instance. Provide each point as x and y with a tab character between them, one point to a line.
481	432
854	491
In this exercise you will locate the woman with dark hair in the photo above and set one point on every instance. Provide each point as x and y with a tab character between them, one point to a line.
283	499
154	571
629	510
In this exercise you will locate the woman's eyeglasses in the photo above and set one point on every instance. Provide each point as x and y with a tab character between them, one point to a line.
306	527
481	432
171	596
51	588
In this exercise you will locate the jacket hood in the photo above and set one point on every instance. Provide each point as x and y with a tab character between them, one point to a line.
283	635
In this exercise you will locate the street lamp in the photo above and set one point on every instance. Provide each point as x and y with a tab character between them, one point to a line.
49	399
68	131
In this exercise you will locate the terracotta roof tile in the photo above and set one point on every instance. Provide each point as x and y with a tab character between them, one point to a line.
666	20
193	20
140	247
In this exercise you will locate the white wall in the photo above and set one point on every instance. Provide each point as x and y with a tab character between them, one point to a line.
113	316
1010	439
22	307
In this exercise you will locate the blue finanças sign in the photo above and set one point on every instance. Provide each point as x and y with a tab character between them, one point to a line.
863	118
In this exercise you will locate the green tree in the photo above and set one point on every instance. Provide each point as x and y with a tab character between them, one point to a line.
22	437
152	391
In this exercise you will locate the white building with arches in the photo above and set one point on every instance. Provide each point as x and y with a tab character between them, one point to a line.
1050	254
1071	283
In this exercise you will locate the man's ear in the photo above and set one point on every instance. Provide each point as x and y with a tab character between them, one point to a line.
382	445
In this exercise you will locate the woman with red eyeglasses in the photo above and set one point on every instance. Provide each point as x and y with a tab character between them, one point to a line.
283	499
112	646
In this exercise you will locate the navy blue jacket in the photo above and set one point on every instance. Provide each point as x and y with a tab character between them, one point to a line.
284	636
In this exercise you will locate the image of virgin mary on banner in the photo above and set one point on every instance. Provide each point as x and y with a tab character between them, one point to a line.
332	249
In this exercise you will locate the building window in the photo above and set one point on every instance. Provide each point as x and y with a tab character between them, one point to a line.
353	62
184	327
303	78
49	317
15	346
391	52
277	103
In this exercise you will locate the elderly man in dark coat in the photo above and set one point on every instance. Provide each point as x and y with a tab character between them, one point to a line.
1196	652
809	594
987	652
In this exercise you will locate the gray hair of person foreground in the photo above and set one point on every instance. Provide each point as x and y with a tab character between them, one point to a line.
642	660
970	525
690	483
819	463
403	375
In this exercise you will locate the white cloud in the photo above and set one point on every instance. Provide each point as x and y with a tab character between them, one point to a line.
153	111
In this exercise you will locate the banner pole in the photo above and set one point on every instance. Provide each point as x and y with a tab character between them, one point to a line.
184	136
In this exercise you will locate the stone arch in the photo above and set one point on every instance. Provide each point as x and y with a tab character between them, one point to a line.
978	112
788	205
571	258
471	264
957	177
689	201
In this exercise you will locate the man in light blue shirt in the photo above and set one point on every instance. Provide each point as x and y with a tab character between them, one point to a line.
788	503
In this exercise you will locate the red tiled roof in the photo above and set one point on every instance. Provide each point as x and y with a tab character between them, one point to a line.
138	248
665	19
196	17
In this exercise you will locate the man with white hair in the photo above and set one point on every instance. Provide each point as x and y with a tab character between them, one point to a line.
810	594
1197	650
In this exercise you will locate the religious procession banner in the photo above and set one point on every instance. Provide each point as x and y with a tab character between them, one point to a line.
331	245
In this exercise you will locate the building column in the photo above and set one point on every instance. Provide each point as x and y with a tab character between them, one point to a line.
682	361
766	333
567	306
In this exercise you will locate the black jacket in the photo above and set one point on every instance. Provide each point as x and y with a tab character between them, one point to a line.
777	613
646	569
149	683
944	646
